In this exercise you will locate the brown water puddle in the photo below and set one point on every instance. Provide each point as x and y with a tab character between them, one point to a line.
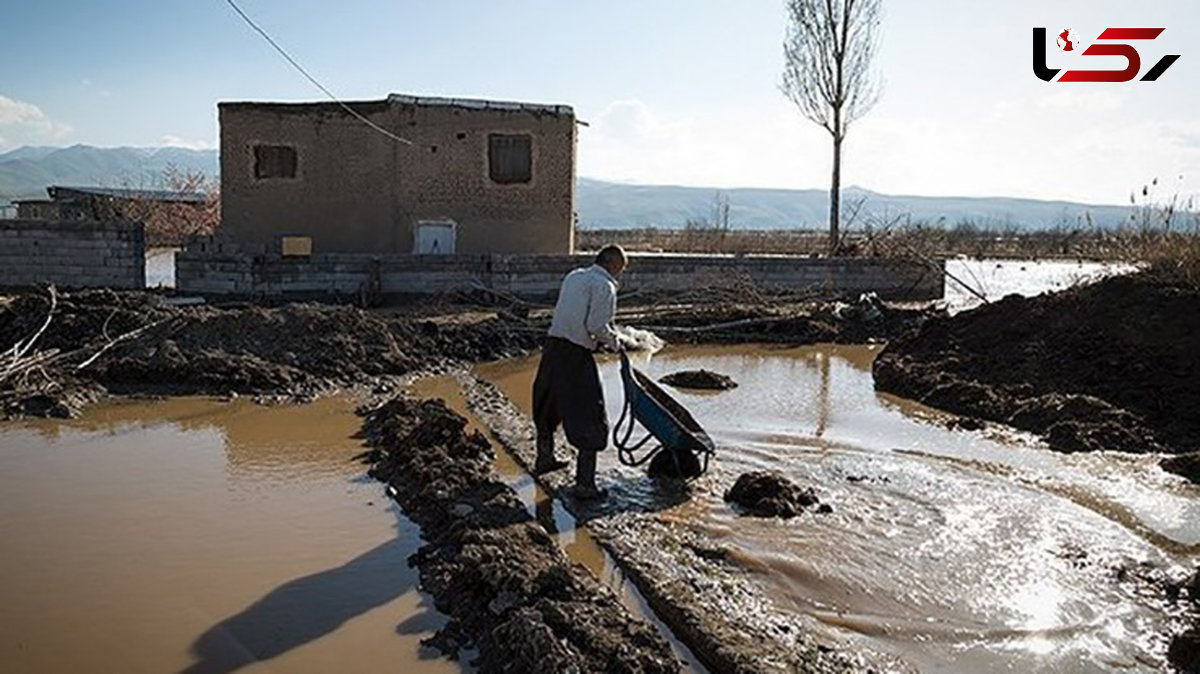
958	551
198	536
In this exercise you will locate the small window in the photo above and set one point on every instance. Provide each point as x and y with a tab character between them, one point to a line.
296	246
510	158
274	161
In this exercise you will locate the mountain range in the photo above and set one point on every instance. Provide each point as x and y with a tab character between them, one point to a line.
27	171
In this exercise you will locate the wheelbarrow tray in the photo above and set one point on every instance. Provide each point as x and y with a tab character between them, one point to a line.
660	414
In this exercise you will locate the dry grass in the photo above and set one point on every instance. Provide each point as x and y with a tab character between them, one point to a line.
1127	244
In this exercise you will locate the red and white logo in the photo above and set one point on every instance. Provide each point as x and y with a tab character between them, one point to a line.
1111	42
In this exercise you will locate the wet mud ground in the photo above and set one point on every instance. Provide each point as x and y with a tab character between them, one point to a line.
947	550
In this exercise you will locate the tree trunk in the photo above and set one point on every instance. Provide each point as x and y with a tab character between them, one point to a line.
835	197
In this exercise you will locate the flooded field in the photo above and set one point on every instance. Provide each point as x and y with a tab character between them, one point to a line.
203	537
958	551
969	281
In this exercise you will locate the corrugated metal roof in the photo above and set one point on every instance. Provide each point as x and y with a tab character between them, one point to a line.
134	194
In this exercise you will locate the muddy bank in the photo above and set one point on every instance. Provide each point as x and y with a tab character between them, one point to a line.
508	588
104	342
1184	650
807	323
99	342
1187	465
1109	366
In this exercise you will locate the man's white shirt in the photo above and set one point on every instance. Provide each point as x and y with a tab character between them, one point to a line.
586	304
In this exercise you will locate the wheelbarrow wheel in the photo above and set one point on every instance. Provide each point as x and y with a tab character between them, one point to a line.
680	464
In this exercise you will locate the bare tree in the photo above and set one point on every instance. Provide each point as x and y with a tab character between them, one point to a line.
827	73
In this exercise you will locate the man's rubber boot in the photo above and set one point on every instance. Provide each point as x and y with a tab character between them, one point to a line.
585	488
545	462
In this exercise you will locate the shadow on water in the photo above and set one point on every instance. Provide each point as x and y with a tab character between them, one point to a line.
307	608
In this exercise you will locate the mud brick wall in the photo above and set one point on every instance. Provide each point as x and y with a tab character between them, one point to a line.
208	267
891	279
72	254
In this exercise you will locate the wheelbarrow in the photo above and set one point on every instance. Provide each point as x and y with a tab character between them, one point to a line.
683	448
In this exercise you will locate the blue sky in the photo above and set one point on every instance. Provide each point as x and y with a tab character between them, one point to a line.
675	91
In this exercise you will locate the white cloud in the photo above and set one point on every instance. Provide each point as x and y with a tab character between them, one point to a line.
1087	146
27	123
1089	151
176	141
631	141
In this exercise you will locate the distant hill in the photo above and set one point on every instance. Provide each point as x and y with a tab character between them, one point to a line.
25	173
605	205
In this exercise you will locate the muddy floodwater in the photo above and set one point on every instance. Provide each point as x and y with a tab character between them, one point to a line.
956	550
203	537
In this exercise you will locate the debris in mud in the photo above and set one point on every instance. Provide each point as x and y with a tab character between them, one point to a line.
868	308
506	585
1108	366
769	494
699	379
1187	465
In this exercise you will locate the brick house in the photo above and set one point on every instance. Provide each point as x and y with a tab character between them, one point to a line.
479	176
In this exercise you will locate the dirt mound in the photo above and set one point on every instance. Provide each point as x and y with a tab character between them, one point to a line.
1184	652
699	379
143	345
506	585
1106	366
805	323
769	494
1187	465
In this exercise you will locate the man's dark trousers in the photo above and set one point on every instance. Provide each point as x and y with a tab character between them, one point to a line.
567	391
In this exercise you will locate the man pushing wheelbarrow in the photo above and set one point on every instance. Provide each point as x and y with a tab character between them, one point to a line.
567	387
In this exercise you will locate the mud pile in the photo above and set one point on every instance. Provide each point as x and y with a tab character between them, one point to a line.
807	323
146	346
769	494
699	379
1184	650
506	585
1107	366
1187	465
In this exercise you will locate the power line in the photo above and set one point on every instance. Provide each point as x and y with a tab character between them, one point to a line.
312	79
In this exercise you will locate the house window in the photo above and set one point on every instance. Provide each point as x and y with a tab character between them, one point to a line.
274	161
510	158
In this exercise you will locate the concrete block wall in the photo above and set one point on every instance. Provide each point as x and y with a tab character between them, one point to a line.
72	254
208	267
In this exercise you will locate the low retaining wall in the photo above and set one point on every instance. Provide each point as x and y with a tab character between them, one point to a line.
72	254
209	268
